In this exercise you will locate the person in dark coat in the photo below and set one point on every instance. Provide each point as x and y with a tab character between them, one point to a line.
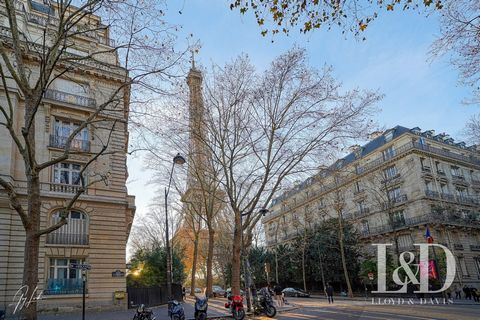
468	293
329	291
475	294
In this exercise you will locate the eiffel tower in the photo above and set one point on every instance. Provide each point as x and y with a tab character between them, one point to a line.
198	164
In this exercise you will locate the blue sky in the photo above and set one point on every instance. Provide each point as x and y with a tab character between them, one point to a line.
394	59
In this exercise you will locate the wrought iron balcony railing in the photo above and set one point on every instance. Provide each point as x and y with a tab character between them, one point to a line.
67	238
63	286
76	99
75	144
64	188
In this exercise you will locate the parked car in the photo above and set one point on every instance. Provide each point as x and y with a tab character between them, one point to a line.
218	291
295	292
198	290
227	292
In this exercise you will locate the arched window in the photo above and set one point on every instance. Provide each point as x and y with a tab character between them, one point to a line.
75	232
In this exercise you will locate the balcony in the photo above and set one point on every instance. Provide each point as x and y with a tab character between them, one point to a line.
79	239
64	188
458	246
475	247
75	144
475	183
362	212
63	286
395	201
427	169
441	195
391	180
61	96
358	193
421	220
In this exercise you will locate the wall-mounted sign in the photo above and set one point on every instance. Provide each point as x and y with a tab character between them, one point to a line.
82	266
118	274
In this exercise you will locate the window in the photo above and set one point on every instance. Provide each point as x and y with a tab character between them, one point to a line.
463	266
75	232
444	188
62	279
362	208
357	187
62	131
394	194
477	265
365	227
67	173
405	241
456	171
461	191
388	153
428	185
389	136
439	168
399	218
390	172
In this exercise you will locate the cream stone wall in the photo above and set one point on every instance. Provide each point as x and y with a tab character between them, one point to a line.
456	224
108	207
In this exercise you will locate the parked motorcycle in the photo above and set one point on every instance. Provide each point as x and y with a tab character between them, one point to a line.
263	303
143	313
235	304
175	310
201	306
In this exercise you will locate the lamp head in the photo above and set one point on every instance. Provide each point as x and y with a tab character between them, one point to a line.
178	159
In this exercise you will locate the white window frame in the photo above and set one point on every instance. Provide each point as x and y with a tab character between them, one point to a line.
70	168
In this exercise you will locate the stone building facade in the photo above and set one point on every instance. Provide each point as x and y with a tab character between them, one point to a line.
100	221
391	189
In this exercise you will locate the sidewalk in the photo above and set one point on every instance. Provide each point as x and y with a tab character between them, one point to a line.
369	299
216	310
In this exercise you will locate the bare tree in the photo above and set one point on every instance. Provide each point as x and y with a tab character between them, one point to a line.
263	128
459	27
32	59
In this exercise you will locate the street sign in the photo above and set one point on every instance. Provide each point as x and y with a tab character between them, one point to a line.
370	275
81	266
118	274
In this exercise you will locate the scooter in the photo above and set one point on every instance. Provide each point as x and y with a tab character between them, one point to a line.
201	306
143	313
235	304
263	304
175	310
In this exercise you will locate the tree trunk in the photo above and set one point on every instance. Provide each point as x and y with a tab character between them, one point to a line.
32	241
211	243
303	270
276	265
194	265
30	273
342	253
237	247
322	275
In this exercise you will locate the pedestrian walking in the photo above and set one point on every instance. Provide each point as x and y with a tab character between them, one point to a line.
468	293
278	295
475	294
329	291
184	293
458	292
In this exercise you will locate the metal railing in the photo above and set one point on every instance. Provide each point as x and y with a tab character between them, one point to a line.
67	238
374	164
474	247
64	188
362	212
423	219
70	98
63	286
75	144
452	198
458	246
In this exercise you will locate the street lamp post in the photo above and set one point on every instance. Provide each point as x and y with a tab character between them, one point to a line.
178	159
246	267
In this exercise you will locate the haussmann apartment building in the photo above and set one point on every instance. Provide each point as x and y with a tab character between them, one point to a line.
99	223
399	182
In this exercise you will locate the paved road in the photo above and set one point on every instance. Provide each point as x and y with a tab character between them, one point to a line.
356	310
